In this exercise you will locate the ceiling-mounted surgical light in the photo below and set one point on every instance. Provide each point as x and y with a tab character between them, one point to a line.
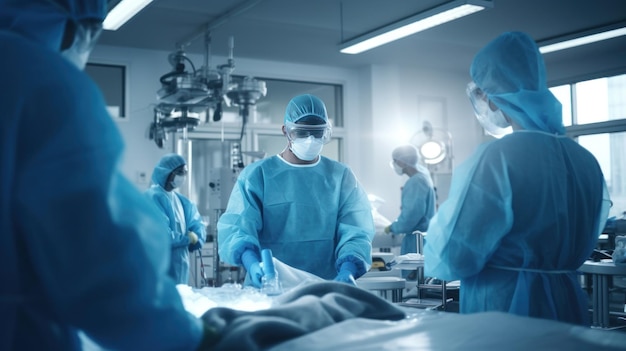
122	12
187	94
582	38
416	23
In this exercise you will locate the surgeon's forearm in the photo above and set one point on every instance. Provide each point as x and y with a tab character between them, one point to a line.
180	241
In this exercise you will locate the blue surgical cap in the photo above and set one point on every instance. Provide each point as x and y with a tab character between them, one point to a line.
306	105
511	71
166	165
44	20
407	154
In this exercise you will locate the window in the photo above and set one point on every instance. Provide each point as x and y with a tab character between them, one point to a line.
111	80
594	113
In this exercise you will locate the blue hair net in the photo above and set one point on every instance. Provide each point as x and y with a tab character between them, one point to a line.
511	71
407	154
166	165
304	106
44	20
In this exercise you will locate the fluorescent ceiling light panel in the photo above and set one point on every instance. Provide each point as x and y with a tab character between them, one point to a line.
122	12
411	25
582	40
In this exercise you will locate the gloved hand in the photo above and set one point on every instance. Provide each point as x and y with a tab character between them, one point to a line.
346	273
345	276
193	237
256	274
387	229
252	263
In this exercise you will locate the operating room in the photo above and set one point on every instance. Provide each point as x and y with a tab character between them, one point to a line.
409	91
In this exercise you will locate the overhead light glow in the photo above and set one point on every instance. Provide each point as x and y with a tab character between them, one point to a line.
417	23
583	40
122	12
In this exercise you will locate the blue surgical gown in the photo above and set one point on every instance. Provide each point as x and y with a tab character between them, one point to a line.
80	246
417	208
179	265
313	217
523	214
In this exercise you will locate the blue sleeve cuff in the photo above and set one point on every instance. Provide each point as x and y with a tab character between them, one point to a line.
350	267
248	258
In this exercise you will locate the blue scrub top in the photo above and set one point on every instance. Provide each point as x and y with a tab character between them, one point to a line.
80	246
417	208
177	238
523	213
313	217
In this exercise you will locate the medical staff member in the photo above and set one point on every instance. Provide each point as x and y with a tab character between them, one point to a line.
78	248
187	231
524	211
417	200
308	209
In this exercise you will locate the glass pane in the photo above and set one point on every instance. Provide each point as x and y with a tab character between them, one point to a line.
600	100
608	150
271	108
274	144
564	94
617	97
112	82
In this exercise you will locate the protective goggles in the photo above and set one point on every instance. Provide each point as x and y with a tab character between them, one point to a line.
491	118
304	131
478	98
182	170
87	33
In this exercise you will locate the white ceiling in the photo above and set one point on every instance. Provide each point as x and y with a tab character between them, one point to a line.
310	31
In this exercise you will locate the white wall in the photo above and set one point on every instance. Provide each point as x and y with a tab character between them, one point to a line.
394	105
380	109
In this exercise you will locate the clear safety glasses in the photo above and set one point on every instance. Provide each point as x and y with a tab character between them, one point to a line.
478	98
182	170
87	34
303	131
491	119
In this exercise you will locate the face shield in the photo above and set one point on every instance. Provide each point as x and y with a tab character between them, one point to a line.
320	132
85	37
493	121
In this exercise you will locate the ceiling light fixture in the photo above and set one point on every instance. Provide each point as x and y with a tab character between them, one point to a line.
582	38
416	23
122	12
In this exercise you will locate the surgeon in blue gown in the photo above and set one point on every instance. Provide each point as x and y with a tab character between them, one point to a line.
524	211
309	210
187	231
417	205
79	246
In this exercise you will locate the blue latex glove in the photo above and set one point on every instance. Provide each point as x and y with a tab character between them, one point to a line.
252	263
194	247
194	242
346	273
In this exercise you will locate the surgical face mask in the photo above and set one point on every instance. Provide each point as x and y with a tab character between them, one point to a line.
396	168
178	181
307	149
84	41
493	121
